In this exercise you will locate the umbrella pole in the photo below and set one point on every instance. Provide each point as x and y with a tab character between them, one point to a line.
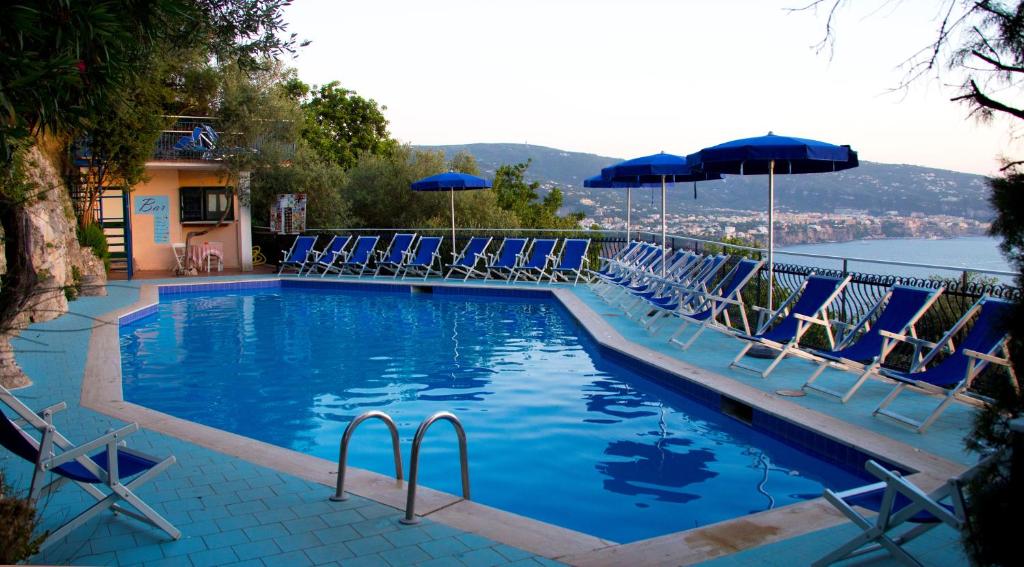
629	210
451	194
664	248
771	232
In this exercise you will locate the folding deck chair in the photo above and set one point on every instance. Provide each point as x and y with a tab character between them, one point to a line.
103	461
300	254
396	253
358	261
573	261
635	284
954	374
675	292
325	259
532	265
861	348
506	260
898	503
784	328
645	261
471	255
608	261
426	256
708	306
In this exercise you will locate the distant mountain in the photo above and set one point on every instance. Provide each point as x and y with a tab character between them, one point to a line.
874	187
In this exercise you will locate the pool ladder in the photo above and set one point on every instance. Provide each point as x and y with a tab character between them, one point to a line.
421	431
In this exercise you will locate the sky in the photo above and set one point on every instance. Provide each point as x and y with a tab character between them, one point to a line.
625	78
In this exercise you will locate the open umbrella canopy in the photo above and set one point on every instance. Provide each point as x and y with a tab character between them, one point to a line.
754	156
451	181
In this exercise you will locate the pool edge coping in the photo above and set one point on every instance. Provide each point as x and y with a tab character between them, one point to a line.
102	392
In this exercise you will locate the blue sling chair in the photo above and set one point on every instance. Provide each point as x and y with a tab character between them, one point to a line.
784	328
104	461
471	255
954	374
862	347
300	254
618	270
675	293
426	256
324	260
706	307
638	286
504	263
396	254
358	261
533	265
608	262
645	264
572	263
903	512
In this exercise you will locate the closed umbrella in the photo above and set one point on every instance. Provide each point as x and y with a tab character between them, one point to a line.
451	182
771	155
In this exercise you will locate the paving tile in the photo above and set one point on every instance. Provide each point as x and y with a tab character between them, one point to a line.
511	553
324	554
474	541
298	541
112	543
444	547
256	549
341	518
183	546
167	562
294	558
402	556
276	515
368	545
213	557
247	507
225	539
407	535
365	561
376	526
336	534
318	508
138	555
485	557
443	562
266	531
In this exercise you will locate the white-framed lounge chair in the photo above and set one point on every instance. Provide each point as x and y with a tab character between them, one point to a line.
104	461
708	307
392	258
572	262
324	260
782	330
504	263
985	343
677	291
532	265
640	283
422	262
898	504
357	262
645	262
861	348
299	255
610	264
471	255
178	248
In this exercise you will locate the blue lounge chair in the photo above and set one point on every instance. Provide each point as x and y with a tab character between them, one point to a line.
572	263
532	265
426	256
955	373
646	279
506	260
610	264
105	461
783	328
707	307
395	255
644	261
676	290
862	347
898	502
474	251
300	255
358	261
325	259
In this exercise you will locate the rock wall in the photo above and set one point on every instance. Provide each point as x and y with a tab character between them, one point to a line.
55	256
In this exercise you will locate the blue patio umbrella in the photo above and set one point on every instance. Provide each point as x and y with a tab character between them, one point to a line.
652	169
599	182
773	155
451	182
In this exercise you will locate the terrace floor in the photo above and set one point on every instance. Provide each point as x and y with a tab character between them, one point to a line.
231	510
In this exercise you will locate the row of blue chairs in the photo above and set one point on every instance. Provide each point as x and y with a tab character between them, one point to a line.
535	260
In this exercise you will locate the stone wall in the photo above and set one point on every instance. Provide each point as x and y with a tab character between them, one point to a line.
55	252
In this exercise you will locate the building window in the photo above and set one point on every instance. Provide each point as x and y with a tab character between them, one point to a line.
204	205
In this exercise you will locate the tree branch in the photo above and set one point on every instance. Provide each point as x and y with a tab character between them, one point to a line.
984	101
996	63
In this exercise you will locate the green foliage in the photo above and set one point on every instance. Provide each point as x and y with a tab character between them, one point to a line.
18	521
320	180
735	252
340	124
92	236
520	198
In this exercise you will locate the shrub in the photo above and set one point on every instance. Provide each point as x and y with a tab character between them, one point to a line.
18	521
92	235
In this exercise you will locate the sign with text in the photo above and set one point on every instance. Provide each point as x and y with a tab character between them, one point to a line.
159	207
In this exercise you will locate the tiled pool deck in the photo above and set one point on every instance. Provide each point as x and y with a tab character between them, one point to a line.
234	511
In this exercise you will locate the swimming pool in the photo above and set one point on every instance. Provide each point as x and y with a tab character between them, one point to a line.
558	430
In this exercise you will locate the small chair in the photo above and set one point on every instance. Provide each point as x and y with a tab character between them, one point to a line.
783	328
178	248
392	258
474	251
214	256
120	469
862	347
299	255
506	260
358	261
533	265
573	261
426	256
954	374
896	502
324	260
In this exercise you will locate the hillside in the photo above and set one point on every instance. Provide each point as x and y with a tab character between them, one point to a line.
875	187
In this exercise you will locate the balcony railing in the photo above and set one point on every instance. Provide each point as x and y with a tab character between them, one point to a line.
226	144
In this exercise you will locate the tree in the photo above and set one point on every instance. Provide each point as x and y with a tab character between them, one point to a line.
307	173
517	196
340	124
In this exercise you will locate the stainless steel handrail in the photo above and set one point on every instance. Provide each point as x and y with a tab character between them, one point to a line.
410	504
339	493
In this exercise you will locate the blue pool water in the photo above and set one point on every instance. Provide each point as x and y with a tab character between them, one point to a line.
557	432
